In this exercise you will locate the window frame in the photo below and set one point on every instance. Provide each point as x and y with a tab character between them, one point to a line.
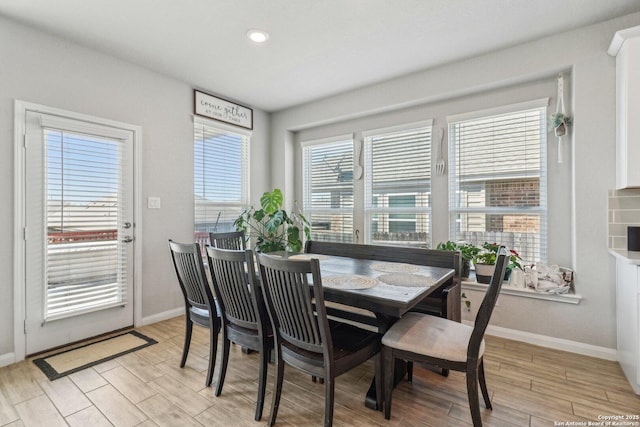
307	207
201	236
541	210
387	211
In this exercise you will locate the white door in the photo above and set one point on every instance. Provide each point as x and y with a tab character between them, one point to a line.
79	230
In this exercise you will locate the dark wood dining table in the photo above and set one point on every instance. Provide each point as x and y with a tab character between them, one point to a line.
387	289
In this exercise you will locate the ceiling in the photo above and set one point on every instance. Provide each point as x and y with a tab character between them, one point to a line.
316	48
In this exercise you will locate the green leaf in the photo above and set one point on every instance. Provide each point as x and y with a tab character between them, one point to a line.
259	215
271	201
293	239
275	221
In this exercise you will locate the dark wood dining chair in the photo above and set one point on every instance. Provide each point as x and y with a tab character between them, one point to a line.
444	301
234	240
446	344
200	306
244	317
304	337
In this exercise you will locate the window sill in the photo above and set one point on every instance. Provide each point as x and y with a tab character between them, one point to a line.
569	298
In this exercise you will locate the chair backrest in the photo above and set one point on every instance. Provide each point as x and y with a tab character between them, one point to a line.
187	261
237	295
488	304
410	255
291	304
234	240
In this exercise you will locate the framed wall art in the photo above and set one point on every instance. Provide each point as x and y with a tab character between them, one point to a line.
220	109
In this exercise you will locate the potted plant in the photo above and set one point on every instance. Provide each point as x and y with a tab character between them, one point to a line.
272	227
467	253
559	123
485	262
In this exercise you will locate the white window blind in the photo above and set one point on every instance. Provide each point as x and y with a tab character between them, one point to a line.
497	173
328	188
398	185
221	179
86	270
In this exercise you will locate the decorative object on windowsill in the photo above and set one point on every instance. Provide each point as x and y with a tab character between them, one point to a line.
549	279
485	261
271	227
467	253
559	120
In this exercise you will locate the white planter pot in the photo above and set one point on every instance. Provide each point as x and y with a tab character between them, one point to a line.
484	272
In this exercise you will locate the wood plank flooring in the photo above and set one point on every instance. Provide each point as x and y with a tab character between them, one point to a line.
529	386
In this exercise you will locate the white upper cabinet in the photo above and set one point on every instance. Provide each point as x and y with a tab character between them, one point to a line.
625	46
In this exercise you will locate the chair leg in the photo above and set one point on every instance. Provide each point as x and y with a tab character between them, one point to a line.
213	349
329	392
387	375
410	371
225	361
262	381
277	386
187	341
483	385
474	401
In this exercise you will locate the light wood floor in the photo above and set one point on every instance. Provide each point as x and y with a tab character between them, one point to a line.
529	386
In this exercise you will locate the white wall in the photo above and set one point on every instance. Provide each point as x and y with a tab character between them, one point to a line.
38	68
578	198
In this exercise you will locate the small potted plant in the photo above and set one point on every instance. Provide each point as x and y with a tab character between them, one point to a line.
467	253
485	262
559	123
272	227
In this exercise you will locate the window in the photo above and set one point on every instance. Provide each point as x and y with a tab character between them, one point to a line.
398	185
328	188
497	173
221	177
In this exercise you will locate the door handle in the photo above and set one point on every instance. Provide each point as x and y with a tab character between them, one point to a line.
127	239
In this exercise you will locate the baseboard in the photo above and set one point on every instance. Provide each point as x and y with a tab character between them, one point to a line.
552	342
7	359
159	317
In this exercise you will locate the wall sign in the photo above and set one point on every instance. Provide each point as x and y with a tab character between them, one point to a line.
222	110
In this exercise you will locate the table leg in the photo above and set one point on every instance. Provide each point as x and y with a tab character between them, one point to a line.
400	370
399	373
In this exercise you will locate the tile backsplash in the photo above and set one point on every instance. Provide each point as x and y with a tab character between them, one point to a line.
624	210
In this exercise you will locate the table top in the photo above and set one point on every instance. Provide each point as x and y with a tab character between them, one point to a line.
390	288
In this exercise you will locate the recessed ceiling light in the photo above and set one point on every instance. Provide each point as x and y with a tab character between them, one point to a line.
258	36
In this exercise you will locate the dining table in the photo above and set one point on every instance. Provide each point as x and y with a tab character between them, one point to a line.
386	289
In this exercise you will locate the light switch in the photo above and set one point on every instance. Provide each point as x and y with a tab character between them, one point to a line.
153	203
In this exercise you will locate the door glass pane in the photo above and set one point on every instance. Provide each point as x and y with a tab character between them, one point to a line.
83	210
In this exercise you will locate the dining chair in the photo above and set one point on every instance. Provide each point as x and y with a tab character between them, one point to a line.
200	306
445	300
446	344
304	336
228	240
244	317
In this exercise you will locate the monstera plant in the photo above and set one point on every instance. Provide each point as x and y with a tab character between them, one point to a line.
271	227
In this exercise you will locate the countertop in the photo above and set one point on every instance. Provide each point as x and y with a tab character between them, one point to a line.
632	257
